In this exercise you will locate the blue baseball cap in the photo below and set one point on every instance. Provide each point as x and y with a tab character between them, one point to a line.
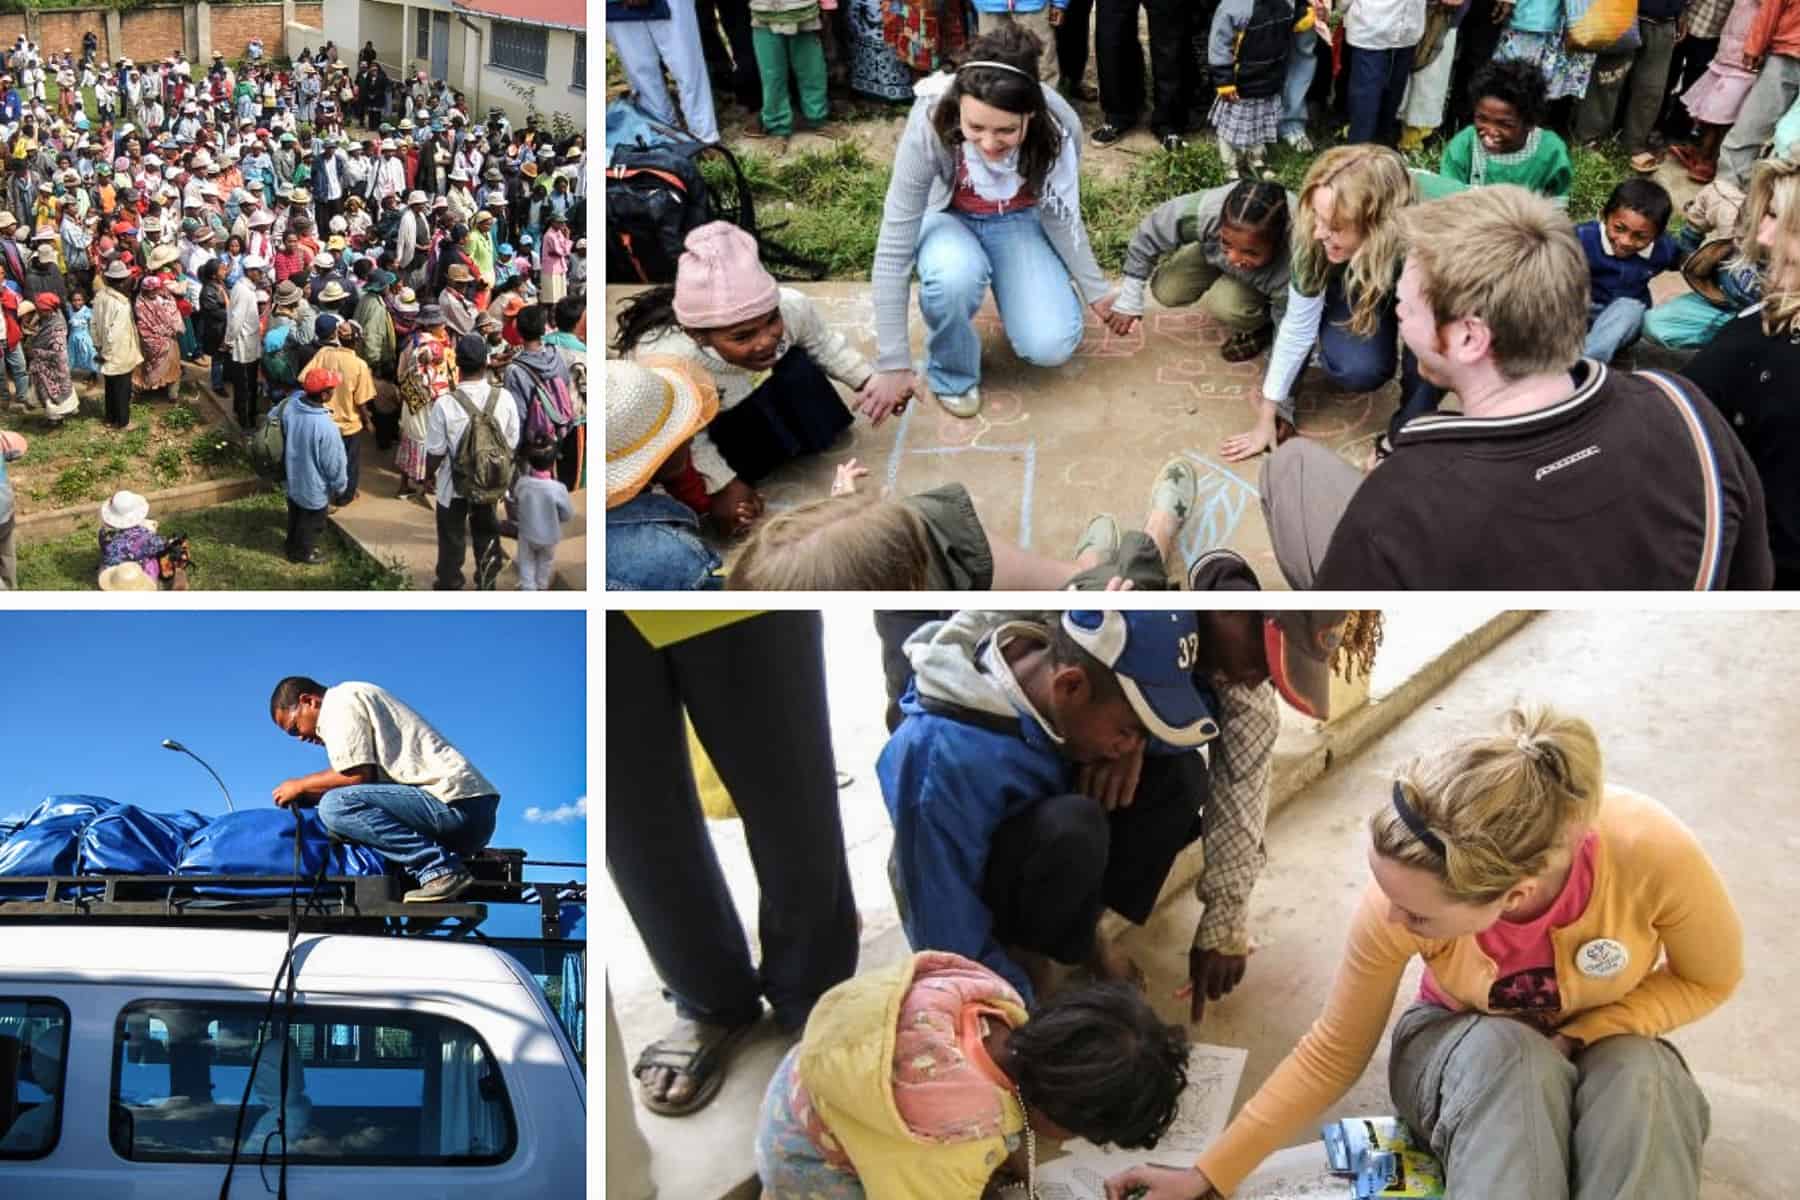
1152	654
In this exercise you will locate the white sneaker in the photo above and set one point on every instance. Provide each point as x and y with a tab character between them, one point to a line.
965	406
1298	141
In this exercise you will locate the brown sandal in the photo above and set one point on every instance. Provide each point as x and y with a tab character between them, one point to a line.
1645	162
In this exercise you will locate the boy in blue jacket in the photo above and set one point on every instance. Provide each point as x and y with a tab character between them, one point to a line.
1625	249
313	458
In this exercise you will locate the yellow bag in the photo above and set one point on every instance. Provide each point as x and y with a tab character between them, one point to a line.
1603	26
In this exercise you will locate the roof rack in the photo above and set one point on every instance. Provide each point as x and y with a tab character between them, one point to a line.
338	904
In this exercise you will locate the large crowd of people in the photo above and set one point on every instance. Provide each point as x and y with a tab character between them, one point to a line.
276	223
1467	280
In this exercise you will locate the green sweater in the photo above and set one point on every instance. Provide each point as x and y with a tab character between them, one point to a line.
1541	164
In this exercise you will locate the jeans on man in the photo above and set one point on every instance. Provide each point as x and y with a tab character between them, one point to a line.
455	525
15	367
1302	65
409	826
1377	84
304	525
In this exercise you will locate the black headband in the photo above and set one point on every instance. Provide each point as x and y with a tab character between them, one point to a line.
1413	822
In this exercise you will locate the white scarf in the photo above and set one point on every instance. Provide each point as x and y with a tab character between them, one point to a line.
994	181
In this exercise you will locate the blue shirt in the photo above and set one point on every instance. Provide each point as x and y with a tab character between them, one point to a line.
1611	278
6	489
317	469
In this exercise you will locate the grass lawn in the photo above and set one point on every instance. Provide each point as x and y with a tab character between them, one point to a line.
85	460
826	204
236	547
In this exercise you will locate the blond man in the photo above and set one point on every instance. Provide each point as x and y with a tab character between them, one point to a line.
1558	472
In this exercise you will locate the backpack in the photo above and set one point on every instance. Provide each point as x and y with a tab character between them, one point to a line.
655	195
268	445
481	466
550	409
281	356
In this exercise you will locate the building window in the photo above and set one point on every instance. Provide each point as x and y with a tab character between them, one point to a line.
519	48
365	1086
579	83
422	35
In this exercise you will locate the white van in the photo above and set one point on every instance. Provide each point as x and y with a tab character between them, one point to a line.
418	1067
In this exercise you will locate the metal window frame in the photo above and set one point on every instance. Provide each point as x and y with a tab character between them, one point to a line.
513	29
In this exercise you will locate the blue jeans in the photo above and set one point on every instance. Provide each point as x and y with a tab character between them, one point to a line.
409	826
653	544
1377	84
1302	63
1363	364
958	257
1614	326
15	367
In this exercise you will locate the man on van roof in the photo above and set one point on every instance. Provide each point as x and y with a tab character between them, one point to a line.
394	784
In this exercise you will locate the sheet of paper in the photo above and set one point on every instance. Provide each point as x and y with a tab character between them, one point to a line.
1080	1171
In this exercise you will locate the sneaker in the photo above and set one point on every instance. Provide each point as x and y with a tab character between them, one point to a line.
1107	134
444	888
1176	491
965	406
1173	142
1102	536
1298	142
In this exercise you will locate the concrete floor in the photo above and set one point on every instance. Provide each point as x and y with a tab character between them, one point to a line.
1725	764
1054	446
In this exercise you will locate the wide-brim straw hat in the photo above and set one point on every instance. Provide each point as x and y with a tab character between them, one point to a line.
127	577
653	405
124	510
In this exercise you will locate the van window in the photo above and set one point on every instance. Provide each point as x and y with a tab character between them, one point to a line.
364	1086
34	1048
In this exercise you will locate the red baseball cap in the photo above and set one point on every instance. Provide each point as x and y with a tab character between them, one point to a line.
321	379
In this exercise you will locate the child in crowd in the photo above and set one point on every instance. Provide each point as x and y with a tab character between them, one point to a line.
1508	142
1724	271
929	1078
936	541
785	34
543	508
1226	247
1717	96
1625	249
82	359
769	353
1248	53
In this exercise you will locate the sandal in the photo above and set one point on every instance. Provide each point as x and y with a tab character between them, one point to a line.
694	1049
1102	536
1107	134
1246	344
1645	162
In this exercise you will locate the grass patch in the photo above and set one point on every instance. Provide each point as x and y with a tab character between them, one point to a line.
236	547
826	204
84	460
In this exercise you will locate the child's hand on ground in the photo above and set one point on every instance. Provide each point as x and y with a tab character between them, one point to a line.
735	508
1240	446
844	482
1123	323
1103	307
1159	1183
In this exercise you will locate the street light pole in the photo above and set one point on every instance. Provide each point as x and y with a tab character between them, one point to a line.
172	744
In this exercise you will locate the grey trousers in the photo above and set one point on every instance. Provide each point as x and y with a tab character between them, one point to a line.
1037	23
1306	486
1512	1119
9	557
1770	97
1640	76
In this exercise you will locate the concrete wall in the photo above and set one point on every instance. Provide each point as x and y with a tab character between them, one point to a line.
151	33
554	93
381	23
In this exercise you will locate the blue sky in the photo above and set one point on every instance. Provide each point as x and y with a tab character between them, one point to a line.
91	696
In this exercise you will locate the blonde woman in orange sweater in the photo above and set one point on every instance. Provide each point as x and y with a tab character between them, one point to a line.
1566	925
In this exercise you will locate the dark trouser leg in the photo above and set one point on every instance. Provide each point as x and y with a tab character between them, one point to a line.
1476	40
484	529
1597	110
118	400
755	691
1119	58
658	852
569	455
1692	56
1649	82
1072	42
353	469
1171	65
893	628
304	525
452	540
746	80
244	380
1055	866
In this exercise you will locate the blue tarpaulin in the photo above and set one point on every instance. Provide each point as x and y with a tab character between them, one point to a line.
91	835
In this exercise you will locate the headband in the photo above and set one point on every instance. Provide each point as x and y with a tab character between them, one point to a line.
1413	822
998	66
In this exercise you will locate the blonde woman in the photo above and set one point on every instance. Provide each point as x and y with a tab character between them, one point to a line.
1566	925
1749	368
1347	253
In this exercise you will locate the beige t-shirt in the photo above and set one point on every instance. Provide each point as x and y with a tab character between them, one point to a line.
361	724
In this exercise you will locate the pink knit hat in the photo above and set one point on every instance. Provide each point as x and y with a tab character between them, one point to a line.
720	280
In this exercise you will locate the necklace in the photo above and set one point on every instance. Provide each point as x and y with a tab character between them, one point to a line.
1030	1148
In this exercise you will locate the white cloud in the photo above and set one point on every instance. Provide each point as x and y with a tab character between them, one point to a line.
558	816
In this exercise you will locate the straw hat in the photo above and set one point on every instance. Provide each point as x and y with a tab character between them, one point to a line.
126	577
459	274
332	292
653	405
